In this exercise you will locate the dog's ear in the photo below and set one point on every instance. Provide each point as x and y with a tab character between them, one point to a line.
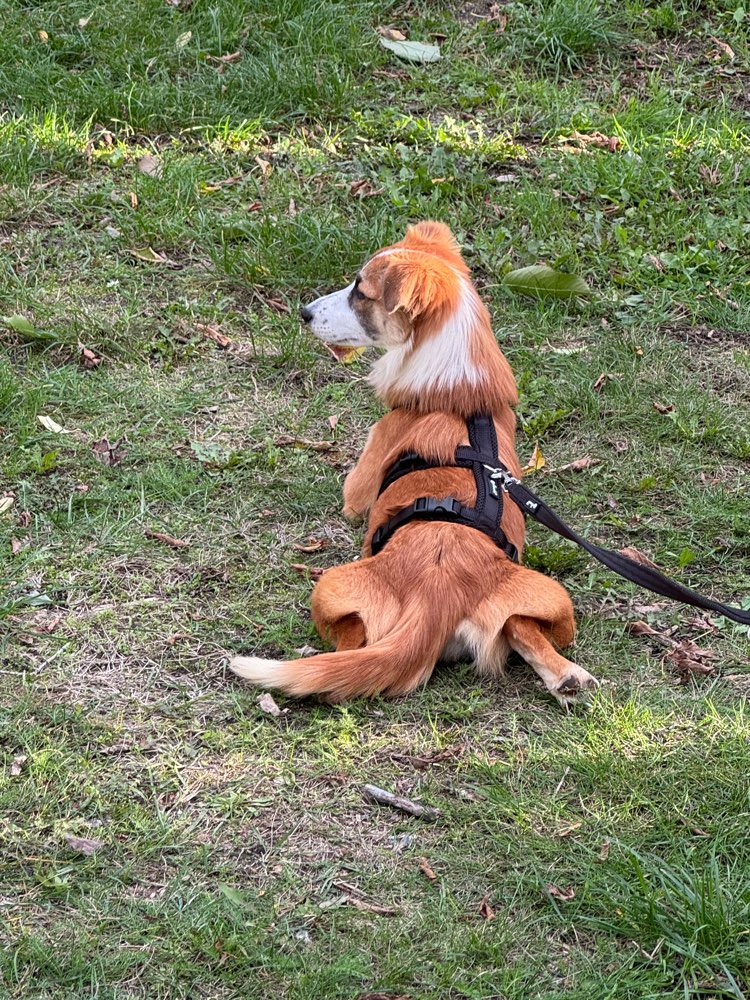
419	283
431	236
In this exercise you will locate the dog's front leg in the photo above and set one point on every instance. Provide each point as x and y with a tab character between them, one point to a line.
363	482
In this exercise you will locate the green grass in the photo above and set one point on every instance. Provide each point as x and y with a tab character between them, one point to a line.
238	855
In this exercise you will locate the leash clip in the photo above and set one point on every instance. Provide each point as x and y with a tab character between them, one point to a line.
505	478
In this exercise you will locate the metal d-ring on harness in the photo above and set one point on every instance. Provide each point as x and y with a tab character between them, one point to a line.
489	474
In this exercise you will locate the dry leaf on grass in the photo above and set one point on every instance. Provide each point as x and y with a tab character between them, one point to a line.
267	704
596	139
662	407
602	381
314	545
427	870
314	572
637	556
150	165
565	894
89	359
287	439
727	50
106	453
83	845
485	910
213	333
17	765
50	425
333	421
536	462
567	830
367	907
226	60
604	851
363	189
160	536
393	33
6	503
579	464
684	656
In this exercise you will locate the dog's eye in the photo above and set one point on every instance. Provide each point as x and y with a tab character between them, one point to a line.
357	293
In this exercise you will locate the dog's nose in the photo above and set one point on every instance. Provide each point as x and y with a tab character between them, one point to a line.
305	314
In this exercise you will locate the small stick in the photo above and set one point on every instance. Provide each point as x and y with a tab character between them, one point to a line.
399	802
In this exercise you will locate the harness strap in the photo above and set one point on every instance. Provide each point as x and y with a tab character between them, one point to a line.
643	576
486	515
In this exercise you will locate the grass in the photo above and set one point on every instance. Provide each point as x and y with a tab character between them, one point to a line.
237	857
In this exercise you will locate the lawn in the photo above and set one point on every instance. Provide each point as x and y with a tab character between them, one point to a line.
175	178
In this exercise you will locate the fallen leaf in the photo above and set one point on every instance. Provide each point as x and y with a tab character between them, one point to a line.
567	830
213	333
566	894
152	256
485	910
89	359
604	851
417	52
106	453
507	179
656	262
333	421
24	518
536	462
217	185
726	49
541	281
279	306
685	656
255	206
265	166
363	189
83	21
160	536
150	165
17	765
393	33
346	355
43	36
15	545
367	907
312	546
286	439
172	639
19	323
602	381
426	869
133	199
227	59
661	408
267	704
50	425
306	651
315	572
637	556
182	40
83	845
6	503
596	139
383	996
579	464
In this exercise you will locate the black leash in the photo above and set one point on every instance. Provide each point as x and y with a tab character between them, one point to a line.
492	480
643	576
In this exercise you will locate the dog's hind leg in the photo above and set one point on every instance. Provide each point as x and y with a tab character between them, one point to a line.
565	681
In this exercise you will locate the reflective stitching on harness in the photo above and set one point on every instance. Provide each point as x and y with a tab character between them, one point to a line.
481	457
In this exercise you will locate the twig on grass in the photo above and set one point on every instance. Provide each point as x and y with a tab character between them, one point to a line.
385	798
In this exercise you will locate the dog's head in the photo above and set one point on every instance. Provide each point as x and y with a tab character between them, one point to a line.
401	290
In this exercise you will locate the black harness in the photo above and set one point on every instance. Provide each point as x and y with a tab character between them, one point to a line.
492	479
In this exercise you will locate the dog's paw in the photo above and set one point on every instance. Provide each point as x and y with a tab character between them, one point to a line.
576	687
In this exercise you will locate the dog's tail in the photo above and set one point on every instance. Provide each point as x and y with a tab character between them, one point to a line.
401	657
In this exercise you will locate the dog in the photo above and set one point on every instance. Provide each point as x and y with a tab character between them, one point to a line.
437	591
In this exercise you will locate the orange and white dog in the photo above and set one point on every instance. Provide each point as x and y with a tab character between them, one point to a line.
437	590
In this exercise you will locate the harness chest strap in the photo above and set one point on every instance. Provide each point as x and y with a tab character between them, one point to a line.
492	480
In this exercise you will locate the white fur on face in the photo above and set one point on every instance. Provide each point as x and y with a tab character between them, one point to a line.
335	322
439	362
